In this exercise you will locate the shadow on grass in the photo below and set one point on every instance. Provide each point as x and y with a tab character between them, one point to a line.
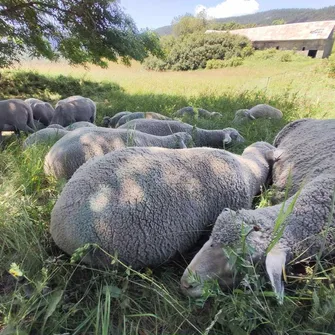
111	99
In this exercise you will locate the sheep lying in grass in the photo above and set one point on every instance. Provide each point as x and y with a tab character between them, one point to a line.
47	136
148	204
74	109
112	121
140	115
16	115
57	126
80	124
42	111
307	149
80	145
201	137
307	231
261	111
193	112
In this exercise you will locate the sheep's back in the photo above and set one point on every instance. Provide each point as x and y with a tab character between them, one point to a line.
308	150
147	204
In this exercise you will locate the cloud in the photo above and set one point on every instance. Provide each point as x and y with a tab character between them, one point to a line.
229	8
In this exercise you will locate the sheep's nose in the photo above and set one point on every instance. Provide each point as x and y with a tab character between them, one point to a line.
188	283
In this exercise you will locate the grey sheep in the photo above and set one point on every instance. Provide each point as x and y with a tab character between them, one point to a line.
112	121
308	230
196	112
46	136
201	137
57	126
74	109
16	115
149	204
262	111
307	149
77	147
80	124
140	115
42	111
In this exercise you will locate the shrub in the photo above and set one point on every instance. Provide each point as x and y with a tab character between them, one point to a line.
154	63
192	51
219	64
331	66
286	56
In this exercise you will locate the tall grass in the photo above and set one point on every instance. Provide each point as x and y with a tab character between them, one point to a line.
53	295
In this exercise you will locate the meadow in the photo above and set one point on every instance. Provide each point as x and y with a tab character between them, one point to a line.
44	291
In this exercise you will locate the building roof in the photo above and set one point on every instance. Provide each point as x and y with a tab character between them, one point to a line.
287	32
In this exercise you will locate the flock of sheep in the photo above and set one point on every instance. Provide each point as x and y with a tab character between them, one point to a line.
131	192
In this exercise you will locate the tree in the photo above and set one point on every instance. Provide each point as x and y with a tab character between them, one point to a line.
188	24
81	31
278	22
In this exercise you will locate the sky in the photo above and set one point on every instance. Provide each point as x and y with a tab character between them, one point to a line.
154	14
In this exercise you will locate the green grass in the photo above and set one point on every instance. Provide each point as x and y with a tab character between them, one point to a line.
57	296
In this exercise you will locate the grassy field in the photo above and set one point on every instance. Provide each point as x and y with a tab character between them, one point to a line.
48	294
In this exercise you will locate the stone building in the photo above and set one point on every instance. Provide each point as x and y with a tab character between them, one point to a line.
314	39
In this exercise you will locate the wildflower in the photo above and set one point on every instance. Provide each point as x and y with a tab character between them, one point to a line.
15	270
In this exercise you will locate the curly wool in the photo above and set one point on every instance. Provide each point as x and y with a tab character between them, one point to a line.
201	137
42	111
80	145
74	109
46	136
307	150
140	115
149	204
304	228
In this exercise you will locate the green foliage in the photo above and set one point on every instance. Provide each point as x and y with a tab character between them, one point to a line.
229	25
192	51
279	55
154	63
188	24
219	64
331	65
82	31
278	22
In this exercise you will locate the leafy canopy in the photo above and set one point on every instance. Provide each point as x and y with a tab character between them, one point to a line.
81	31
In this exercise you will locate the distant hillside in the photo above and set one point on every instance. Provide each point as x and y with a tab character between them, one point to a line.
292	15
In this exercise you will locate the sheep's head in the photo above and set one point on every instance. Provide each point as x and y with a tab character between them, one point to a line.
232	135
233	230
184	140
241	115
105	121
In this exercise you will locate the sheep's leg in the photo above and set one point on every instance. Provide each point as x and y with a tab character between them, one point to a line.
17	133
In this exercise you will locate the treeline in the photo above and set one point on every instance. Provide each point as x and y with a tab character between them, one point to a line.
189	48
270	17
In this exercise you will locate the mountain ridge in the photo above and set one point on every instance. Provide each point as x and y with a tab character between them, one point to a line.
289	15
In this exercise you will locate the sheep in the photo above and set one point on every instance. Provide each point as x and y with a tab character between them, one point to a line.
140	115
201	137
307	149
57	126
307	227
112	121
74	149
74	109
42	111
149	204
80	124
192	112
46	136
259	111
16	115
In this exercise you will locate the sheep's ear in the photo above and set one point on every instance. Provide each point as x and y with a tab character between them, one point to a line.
273	155
275	265
249	115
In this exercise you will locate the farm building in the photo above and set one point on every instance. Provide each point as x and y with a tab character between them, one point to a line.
314	39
